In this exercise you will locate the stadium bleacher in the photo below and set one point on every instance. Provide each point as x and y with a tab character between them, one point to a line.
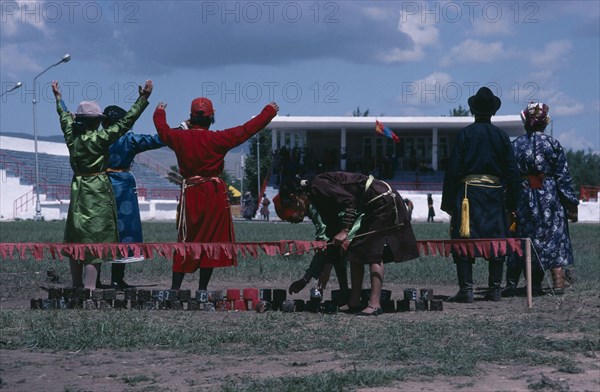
55	175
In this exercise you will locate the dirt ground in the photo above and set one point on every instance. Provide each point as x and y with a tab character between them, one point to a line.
103	370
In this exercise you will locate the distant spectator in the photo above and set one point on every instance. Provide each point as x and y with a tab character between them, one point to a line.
264	210
431	212
248	207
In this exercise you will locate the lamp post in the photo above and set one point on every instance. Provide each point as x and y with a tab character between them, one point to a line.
242	167
258	194
16	86
38	207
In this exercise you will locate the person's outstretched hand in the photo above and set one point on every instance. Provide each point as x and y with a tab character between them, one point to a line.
147	90
161	105
56	91
274	106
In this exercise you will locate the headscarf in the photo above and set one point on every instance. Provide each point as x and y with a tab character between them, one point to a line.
535	116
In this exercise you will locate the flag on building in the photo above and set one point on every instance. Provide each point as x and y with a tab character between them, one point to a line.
385	131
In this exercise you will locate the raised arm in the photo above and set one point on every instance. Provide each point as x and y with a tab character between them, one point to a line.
160	122
112	133
66	119
233	137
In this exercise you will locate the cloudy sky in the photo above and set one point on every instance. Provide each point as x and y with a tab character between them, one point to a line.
394	58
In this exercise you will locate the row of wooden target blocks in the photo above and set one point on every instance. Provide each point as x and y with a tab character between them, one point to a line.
232	299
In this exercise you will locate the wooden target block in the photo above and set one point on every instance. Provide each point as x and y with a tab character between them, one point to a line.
144	295
386	295
421	305
239	305
83	294
388	306
120	304
193	305
97	295
299	304
316	295
263	306
164	295
233	294
55	293
104	305
427	294
250	293
328	307
109	294
215	296
130	294
69	292
436	305
175	305
265	295
36	303
162	305
410	294
278	297
202	296
288	306
48	304
184	295
405	305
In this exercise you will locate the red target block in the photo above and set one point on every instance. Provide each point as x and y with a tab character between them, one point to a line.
250	293
233	294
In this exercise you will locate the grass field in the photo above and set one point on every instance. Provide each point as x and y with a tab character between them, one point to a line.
482	346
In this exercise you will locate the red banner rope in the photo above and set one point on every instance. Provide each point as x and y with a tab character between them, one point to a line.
491	247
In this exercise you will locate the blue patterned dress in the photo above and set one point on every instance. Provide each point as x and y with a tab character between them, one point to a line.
541	213
121	155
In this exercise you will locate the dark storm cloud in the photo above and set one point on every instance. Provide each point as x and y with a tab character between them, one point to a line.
163	36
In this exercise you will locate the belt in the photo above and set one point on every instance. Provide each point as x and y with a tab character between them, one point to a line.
186	183
535	180
389	192
89	174
110	170
485	178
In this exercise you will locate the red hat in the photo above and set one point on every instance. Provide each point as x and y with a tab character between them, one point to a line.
204	105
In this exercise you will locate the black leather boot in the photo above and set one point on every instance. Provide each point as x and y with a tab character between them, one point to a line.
117	275
464	271
177	280
513	273
204	278
537	277
496	269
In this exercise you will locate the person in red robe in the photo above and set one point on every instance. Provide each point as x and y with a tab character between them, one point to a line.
204	213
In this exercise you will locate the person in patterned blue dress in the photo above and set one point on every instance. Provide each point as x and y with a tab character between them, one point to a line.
121	156
547	200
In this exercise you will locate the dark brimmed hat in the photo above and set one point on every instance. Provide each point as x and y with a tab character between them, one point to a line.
89	109
484	103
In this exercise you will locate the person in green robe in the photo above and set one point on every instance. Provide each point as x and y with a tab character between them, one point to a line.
92	216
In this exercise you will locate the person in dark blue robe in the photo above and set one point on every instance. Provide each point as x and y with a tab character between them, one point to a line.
481	183
121	156
547	199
